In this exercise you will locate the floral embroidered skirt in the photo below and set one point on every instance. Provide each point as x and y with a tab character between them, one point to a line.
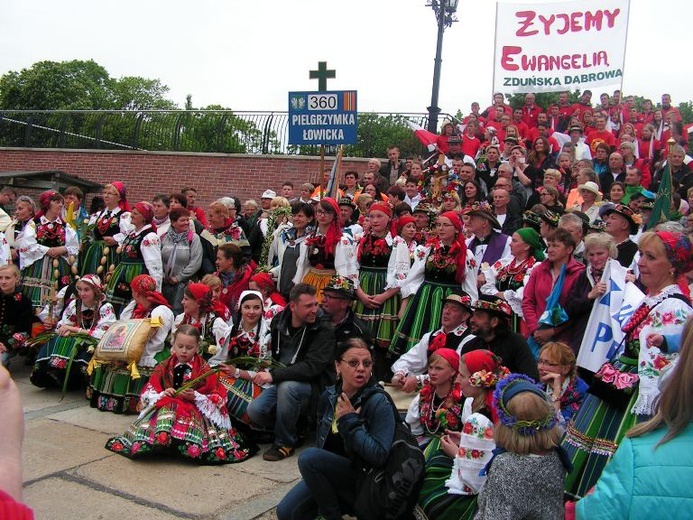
434	500
594	434
118	291
421	316
91	260
112	389
318	278
52	360
39	280
383	320
188	434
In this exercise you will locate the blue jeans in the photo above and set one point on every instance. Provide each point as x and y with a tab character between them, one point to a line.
328	487
280	406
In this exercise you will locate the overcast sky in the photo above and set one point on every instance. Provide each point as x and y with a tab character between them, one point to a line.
247	55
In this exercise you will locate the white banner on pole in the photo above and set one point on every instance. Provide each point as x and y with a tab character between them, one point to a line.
603	333
555	46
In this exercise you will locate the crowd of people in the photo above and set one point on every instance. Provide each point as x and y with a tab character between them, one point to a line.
463	282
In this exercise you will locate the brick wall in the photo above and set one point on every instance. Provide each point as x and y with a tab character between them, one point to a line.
147	173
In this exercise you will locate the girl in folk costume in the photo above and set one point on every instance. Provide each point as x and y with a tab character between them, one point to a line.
327	251
140	253
234	272
209	316
108	230
90	314
625	388
406	228
508	276
440	265
273	302
194	423
47	250
24	212
112	387
438	405
249	337
384	263
16	313
455	459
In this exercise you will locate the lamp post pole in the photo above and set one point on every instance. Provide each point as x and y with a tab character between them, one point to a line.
444	10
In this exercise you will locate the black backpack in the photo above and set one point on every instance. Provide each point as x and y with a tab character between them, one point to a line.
391	492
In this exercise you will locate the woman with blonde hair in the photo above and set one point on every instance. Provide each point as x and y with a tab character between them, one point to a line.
646	474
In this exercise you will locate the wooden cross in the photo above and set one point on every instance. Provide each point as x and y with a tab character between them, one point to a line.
322	74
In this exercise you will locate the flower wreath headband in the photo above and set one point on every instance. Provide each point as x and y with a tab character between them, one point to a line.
489	378
508	388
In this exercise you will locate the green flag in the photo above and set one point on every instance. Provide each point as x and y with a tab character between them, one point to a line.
662	205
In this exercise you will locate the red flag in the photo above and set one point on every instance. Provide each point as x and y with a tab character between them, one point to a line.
429	139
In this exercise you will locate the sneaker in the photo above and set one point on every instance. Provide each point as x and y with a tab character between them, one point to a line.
276	453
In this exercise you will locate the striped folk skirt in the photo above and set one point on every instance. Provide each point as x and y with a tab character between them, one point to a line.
38	281
50	367
594	434
434	500
421	316
180	428
318	278
112	389
383	320
91	260
240	394
118	291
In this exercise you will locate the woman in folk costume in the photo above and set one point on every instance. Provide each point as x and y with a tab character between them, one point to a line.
384	263
625	388
327	251
273	302
234	270
90	314
47	250
194	423
140	253
108	228
455	458
248	337
440	265
113	387
209	316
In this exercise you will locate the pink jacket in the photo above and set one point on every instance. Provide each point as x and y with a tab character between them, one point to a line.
539	288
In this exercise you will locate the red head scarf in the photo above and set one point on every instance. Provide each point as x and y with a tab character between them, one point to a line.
146	286
384	207
45	200
450	356
403	221
485	360
266	284
146	210
203	296
461	259
123	194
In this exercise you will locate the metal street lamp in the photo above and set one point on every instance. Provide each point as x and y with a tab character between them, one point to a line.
445	15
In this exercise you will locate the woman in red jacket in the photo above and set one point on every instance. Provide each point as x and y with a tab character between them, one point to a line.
542	281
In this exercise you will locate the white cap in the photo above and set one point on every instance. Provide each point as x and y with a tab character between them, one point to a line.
269	194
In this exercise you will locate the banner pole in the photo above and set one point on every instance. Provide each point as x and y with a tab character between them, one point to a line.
495	46
625	48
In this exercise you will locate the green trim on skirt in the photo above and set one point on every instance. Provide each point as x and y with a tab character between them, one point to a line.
421	316
383	320
434	500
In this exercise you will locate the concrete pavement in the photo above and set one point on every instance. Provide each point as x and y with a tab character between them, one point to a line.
69	475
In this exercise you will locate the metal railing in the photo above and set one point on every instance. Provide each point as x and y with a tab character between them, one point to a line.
220	131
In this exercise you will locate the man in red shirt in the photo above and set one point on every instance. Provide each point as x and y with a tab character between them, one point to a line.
583	106
542	119
520	124
565	108
530	111
600	135
498	101
666	107
647	112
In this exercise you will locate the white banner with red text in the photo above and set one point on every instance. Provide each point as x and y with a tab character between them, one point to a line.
555	46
